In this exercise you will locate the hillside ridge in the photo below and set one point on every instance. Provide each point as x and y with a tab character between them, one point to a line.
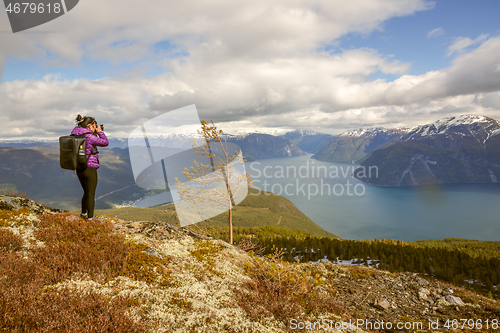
169	279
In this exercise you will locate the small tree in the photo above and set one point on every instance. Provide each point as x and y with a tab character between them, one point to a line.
219	182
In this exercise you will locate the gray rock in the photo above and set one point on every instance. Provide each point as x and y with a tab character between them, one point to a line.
423	293
422	296
12	203
454	300
422	282
381	304
398	286
15	203
153	252
168	225
447	291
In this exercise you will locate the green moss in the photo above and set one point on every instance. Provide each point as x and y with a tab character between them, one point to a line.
133	302
180	302
206	252
14	218
142	266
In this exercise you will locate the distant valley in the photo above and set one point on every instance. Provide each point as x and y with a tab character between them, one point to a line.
462	149
33	166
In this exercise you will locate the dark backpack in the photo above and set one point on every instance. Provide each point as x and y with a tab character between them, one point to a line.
72	152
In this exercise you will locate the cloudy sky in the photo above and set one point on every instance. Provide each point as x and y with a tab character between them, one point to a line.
327	65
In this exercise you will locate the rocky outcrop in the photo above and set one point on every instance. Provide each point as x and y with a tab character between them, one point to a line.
13	204
371	296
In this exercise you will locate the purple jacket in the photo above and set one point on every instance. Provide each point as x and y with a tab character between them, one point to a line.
101	140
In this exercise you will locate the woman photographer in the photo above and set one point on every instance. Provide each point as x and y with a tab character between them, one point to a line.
95	137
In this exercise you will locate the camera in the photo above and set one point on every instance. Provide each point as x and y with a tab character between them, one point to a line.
102	127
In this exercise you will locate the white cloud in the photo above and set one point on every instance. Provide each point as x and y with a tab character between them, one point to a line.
125	30
48	107
242	58
252	64
388	116
489	101
461	43
435	33
320	92
321	84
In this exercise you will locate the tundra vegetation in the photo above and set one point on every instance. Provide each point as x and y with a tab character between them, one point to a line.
147	276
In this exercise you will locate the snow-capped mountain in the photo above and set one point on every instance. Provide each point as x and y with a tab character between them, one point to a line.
480	127
355	145
451	150
25	143
373	131
240	134
297	132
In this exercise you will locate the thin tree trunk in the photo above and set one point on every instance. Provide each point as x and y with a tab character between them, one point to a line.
230	203
231	225
229	194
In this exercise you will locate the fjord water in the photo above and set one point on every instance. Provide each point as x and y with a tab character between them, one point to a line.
469	211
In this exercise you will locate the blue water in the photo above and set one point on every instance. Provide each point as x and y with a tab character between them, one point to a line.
469	211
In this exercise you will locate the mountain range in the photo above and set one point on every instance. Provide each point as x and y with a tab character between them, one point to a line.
356	145
308	141
33	167
463	149
254	145
259	146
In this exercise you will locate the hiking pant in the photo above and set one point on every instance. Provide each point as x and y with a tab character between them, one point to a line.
88	180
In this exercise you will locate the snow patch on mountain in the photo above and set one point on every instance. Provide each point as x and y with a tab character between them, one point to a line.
462	125
494	132
374	131
298	132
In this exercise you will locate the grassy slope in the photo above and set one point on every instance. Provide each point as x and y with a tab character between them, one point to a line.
258	209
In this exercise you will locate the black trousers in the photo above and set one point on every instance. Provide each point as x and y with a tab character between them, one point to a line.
88	180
